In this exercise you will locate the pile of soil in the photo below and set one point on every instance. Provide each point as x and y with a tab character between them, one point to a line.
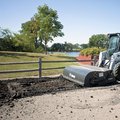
20	88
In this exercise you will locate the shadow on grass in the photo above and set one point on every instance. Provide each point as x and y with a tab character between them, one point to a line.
9	55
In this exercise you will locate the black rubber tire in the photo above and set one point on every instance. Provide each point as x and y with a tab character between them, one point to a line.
116	71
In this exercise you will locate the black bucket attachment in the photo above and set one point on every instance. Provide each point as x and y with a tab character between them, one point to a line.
88	75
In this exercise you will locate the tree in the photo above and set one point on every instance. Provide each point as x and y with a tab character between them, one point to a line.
30	29
6	40
49	26
98	40
76	46
65	47
43	27
68	46
57	47
84	46
24	43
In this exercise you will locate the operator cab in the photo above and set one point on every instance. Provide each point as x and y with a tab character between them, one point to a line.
114	44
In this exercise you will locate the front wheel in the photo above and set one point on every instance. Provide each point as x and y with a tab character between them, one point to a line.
116	71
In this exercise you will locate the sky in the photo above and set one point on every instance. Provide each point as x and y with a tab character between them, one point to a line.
80	18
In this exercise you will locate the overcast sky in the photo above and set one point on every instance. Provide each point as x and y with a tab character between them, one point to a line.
80	18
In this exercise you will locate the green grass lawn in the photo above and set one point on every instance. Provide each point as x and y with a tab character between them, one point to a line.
6	56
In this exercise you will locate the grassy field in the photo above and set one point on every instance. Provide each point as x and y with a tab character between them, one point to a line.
25	56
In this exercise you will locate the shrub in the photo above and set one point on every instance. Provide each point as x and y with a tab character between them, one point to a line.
40	49
91	51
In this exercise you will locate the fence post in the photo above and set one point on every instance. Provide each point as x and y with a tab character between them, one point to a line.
40	67
94	60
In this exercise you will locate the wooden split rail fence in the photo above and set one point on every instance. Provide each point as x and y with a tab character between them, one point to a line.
39	69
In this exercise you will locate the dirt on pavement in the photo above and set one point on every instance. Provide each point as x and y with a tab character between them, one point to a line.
26	87
56	99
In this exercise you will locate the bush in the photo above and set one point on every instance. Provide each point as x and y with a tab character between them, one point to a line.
40	49
91	51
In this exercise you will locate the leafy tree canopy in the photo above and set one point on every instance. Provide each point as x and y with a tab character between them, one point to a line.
49	25
6	40
83	46
65	47
98	40
35	34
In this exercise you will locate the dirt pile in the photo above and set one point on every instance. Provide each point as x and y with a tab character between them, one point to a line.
4	93
20	88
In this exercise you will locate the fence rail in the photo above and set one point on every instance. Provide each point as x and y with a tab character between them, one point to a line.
33	62
39	62
13	63
15	71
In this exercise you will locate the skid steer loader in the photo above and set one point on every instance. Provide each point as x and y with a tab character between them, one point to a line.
107	69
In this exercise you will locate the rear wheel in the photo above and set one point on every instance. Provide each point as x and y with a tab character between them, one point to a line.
116	71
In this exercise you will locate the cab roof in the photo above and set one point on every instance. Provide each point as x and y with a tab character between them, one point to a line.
113	34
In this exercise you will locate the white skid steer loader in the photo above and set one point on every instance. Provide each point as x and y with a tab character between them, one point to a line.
106	71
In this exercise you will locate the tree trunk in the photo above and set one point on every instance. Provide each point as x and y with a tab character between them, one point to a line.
46	48
36	44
